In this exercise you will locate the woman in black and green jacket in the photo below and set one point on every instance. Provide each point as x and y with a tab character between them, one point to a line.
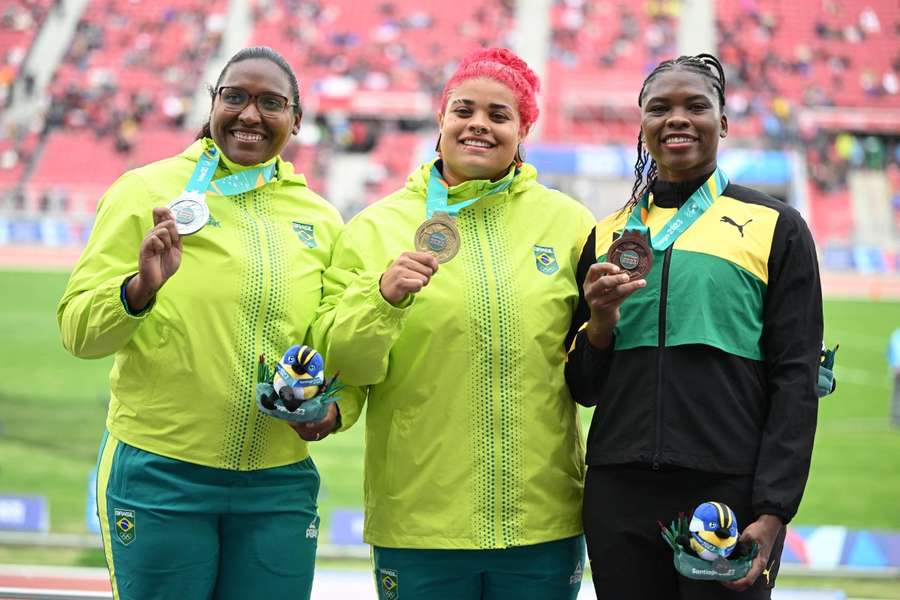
703	370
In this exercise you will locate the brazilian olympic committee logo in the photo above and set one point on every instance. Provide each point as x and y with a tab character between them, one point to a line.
306	233
125	525
390	584
545	260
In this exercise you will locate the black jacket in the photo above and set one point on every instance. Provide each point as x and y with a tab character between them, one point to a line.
702	407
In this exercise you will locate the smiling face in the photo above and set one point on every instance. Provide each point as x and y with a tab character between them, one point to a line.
479	131
681	123
247	137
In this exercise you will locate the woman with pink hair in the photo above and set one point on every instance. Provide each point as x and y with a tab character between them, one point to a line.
451	302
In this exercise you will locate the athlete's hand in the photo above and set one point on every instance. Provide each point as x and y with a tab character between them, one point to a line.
763	531
606	287
408	274
159	259
318	430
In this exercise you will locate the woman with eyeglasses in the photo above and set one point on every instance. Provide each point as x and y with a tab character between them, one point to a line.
451	301
197	265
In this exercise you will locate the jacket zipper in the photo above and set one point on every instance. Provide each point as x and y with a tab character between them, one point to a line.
663	300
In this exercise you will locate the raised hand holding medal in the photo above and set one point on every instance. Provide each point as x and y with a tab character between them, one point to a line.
632	254
438	235
630	258
189	209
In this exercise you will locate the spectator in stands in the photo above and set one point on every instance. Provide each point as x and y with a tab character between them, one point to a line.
199	494
704	368
473	454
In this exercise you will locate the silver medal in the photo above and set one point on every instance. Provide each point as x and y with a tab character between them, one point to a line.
190	212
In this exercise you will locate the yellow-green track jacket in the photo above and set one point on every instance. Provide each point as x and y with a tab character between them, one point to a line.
472	438
183	382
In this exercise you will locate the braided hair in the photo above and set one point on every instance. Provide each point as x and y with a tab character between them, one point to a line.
256	52
706	65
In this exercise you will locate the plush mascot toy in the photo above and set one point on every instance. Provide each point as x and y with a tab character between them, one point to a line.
714	531
298	375
706	546
296	389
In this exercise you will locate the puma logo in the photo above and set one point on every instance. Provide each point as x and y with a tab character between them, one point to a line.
740	228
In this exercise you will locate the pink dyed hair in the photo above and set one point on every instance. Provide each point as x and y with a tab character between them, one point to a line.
505	67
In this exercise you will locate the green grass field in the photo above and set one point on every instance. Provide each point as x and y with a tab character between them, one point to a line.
52	410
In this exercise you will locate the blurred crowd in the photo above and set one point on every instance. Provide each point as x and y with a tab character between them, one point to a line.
401	47
581	33
830	157
131	64
773	69
19	23
137	64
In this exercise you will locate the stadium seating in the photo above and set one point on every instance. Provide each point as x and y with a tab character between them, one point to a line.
591	94
19	24
392	159
396	46
781	55
134	61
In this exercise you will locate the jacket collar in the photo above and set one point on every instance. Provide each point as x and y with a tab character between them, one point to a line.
284	171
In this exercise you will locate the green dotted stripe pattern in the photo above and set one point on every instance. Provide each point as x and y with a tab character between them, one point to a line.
481	395
510	379
245	324
260	321
495	389
274	321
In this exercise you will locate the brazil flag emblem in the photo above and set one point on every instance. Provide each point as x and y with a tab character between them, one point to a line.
545	260
306	233
125	525
390	584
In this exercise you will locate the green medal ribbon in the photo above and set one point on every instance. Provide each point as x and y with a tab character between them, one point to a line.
689	212
437	199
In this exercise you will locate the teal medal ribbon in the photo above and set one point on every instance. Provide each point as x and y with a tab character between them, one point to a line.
438	199
438	235
190	210
689	212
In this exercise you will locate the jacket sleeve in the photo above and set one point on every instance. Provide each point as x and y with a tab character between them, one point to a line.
791	340
357	326
92	319
586	366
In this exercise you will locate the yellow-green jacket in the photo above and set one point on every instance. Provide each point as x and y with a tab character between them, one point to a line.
472	439
249	283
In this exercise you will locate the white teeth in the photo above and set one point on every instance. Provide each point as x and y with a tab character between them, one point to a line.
678	140
247	137
478	143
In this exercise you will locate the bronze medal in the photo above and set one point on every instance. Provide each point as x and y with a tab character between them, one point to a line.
438	236
632	253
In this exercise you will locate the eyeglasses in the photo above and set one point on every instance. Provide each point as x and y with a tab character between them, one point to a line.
235	99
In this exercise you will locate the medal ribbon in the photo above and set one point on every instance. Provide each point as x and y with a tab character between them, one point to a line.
230	185
437	199
689	212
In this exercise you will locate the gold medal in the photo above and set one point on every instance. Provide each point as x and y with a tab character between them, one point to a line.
438	236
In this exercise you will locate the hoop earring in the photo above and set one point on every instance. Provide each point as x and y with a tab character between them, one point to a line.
520	155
